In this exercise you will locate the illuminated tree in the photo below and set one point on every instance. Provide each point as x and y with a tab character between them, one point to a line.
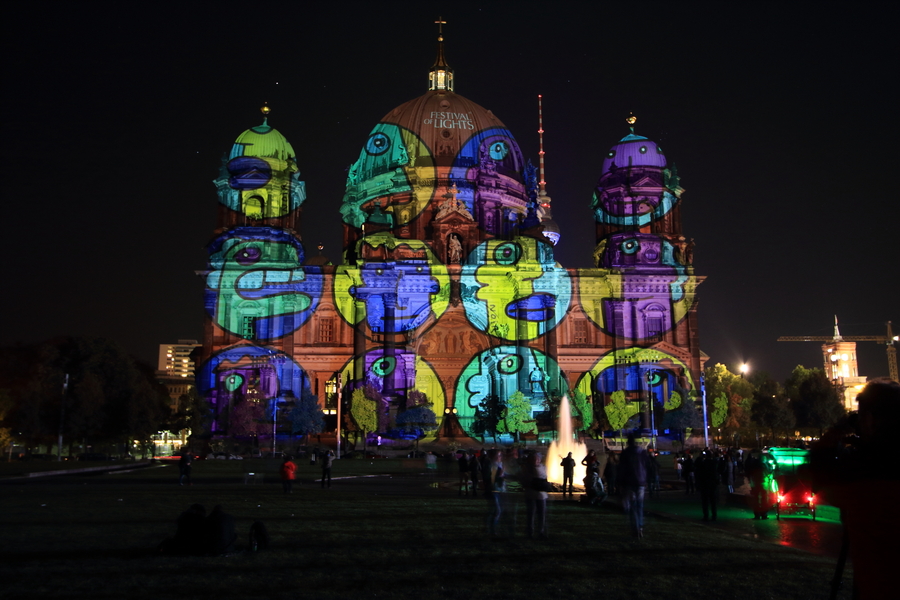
619	410
719	410
247	418
517	416
363	410
417	417
673	402
584	408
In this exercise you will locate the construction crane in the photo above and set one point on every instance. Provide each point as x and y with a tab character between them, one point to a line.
887	340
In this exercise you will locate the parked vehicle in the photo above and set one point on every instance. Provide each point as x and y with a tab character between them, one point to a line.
793	482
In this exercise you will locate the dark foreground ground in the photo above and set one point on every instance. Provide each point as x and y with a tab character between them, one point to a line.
385	529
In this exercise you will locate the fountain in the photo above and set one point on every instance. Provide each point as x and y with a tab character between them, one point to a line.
564	444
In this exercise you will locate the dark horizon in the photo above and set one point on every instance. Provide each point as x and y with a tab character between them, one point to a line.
780	127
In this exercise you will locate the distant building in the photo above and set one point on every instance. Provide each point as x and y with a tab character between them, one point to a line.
175	368
840	366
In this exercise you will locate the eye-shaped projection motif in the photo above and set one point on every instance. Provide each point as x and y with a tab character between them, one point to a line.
256	286
643	149
499	150
502	371
251	371
637	372
395	295
377	144
233	382
248	173
623	303
630	246
514	290
395	372
384	366
507	254
390	155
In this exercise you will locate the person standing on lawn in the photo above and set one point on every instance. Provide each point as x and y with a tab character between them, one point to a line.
288	474
463	462
633	469
494	485
535	483
708	483
474	472
590	463
327	461
568	465
185	464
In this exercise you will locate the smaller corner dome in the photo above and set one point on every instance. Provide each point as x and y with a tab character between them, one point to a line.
634	151
262	141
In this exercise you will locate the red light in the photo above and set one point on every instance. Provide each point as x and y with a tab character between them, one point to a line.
780	499
811	498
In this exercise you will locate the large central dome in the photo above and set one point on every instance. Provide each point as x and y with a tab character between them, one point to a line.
425	151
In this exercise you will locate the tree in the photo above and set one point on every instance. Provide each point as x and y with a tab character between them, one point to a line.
247	419
618	411
517	415
421	417
673	402
818	405
307	417
719	410
771	408
584	408
684	417
363	410
732	398
487	416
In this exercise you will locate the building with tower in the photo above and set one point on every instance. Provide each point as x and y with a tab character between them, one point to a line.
448	286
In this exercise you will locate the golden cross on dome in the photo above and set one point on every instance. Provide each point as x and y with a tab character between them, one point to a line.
440	23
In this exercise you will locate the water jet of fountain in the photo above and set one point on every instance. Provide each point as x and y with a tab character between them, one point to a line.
564	444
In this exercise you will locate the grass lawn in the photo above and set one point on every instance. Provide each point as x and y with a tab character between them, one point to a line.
404	536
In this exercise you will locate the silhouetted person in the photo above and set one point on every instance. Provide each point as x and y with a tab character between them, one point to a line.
568	465
855	467
185	464
633	470
327	462
708	482
463	462
535	483
687	471
759	495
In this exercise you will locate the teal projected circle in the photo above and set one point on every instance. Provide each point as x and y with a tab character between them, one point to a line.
507	254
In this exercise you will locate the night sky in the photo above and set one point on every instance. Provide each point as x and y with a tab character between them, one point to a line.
782	120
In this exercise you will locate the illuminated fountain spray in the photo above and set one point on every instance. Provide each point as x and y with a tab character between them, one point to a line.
564	444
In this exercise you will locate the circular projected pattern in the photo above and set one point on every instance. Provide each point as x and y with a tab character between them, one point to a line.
633	371
396	295
395	372
622	304
389	155
501	372
269	372
256	287
514	290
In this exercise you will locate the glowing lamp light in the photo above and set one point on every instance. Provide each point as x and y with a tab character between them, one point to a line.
780	498
265	108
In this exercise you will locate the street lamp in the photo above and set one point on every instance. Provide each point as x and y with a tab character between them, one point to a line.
744	368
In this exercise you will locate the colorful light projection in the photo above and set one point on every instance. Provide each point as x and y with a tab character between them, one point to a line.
488	152
637	372
261	179
397	288
391	159
646	293
395	372
256	286
514	290
253	373
501	372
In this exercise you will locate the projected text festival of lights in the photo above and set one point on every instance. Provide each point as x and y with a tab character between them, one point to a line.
447	284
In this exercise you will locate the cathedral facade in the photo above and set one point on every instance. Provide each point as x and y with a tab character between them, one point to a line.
448	284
